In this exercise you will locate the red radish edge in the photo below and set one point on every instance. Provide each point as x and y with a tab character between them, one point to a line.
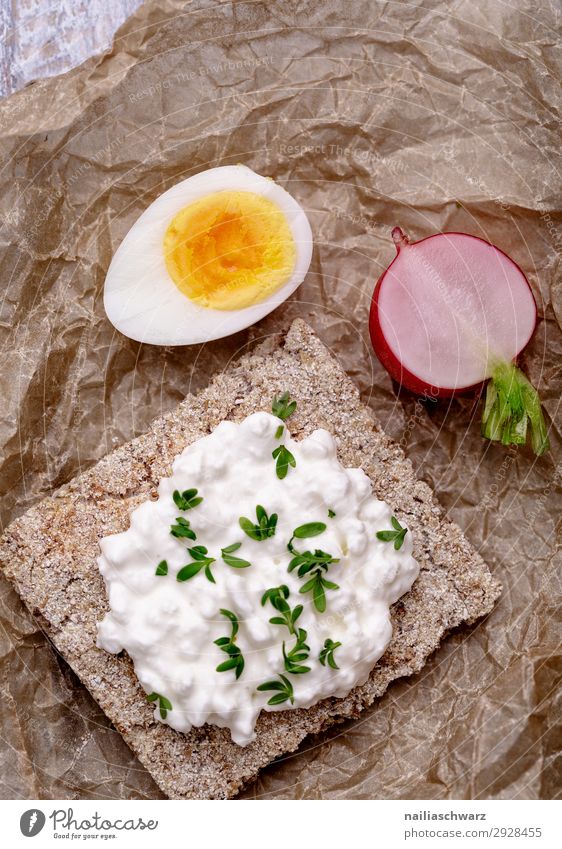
392	364
507	426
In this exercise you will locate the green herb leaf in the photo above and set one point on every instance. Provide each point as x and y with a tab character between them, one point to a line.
198	552
299	653
285	688
228	645
228	664
308	560
278	699
396	536
233	619
230	548
296	613
277	598
187	499
273	592
188	571
200	561
312	563
182	529
331	514
284	459
327	654
279	432
270	685
265	527
164	704
162	568
317	585
311	529
283	407
235	562
318	595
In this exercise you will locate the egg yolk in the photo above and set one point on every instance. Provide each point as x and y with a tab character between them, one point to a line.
229	250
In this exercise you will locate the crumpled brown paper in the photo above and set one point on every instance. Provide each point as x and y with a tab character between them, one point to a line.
371	114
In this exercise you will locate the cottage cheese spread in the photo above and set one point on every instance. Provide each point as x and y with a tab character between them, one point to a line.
169	627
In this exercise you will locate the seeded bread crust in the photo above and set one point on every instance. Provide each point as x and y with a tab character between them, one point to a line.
50	554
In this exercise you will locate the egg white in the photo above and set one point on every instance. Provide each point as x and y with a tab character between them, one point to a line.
140	298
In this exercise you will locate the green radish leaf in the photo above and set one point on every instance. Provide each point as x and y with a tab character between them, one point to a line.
512	406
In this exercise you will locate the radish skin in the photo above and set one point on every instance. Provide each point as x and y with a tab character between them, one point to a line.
451	312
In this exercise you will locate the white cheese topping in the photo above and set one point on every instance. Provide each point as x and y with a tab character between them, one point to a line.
169	627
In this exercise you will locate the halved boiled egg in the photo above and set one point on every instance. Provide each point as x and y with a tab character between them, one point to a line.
209	257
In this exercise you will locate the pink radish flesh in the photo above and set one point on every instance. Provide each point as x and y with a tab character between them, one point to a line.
452	311
452	306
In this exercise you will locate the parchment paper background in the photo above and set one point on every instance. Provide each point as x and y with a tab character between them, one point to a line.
433	115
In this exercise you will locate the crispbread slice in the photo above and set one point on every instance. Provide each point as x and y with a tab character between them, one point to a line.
50	556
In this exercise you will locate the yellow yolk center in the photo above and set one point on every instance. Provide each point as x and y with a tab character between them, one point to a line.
229	250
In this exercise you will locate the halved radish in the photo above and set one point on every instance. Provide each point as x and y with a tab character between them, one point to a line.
452	311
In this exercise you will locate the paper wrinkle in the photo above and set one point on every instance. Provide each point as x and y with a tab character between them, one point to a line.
371	115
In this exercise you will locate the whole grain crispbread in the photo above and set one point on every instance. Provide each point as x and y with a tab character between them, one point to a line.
50	556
